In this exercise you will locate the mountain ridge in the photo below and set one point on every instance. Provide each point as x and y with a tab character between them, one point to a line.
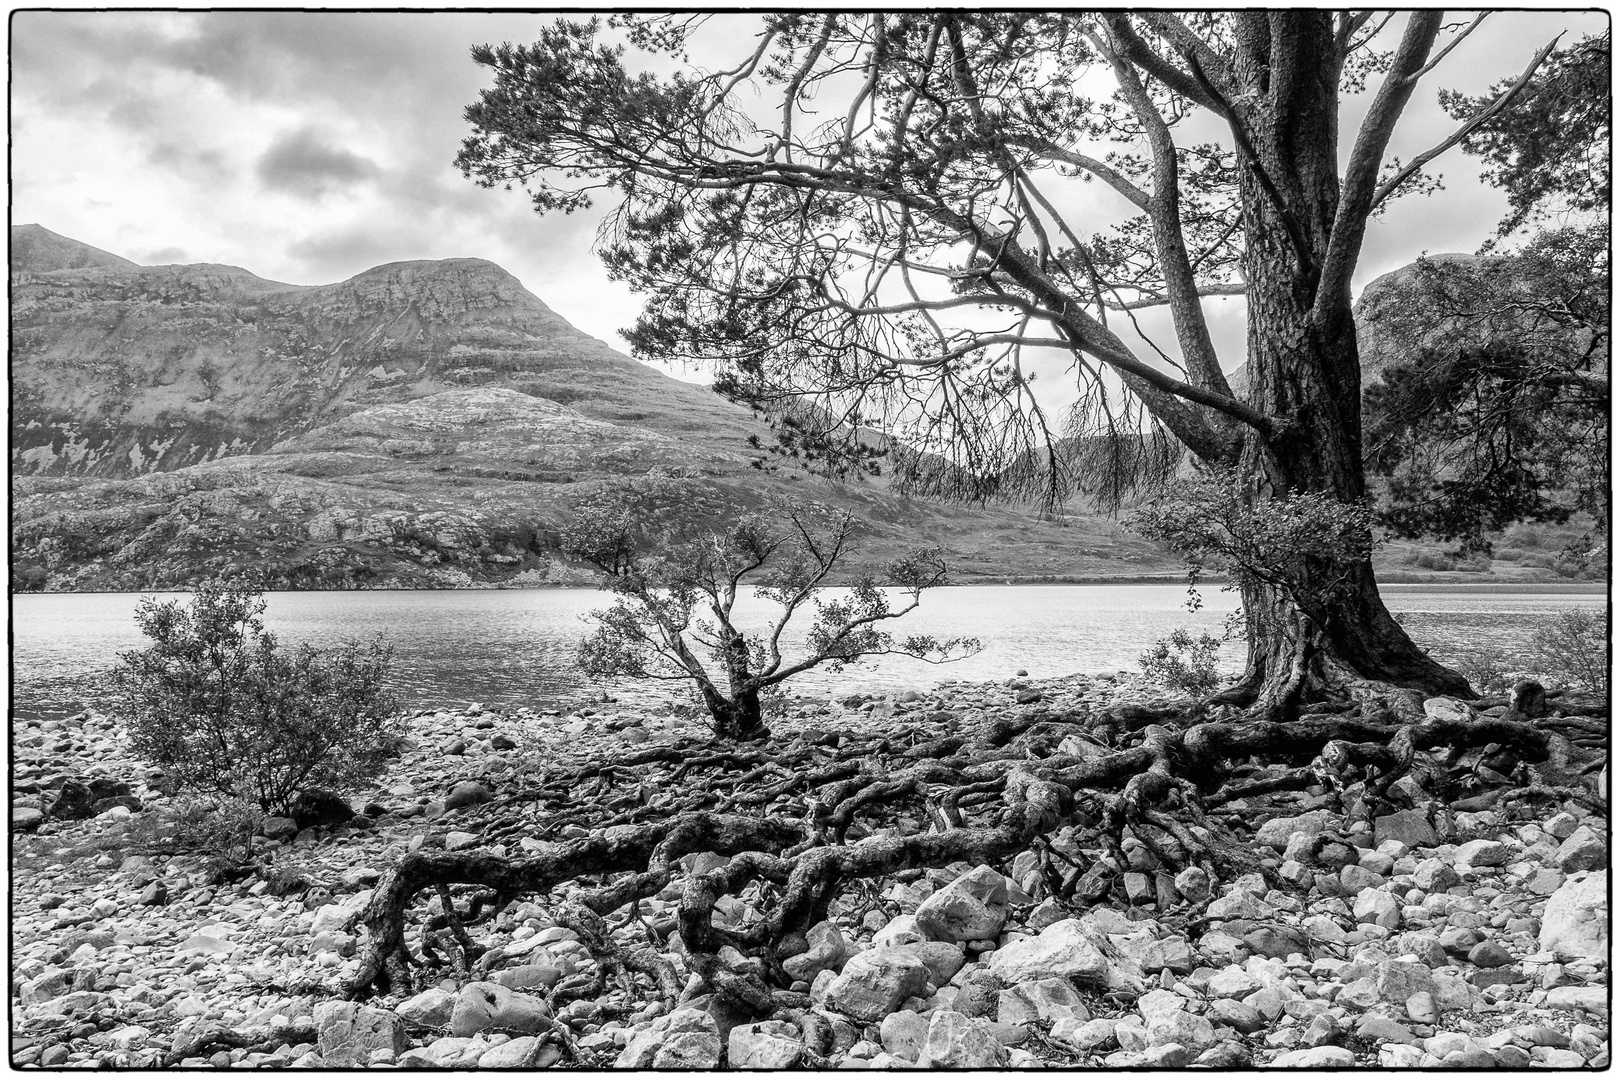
424	423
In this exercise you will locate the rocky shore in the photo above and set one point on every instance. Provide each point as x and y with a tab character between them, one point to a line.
1439	937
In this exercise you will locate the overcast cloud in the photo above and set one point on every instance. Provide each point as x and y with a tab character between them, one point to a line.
308	147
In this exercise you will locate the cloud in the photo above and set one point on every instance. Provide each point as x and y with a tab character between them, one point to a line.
337	256
161	256
301	163
208	165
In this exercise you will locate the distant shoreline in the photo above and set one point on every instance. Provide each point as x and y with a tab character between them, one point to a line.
1404	582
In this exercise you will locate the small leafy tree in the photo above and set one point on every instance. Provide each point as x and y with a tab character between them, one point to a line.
674	618
1573	650
1300	547
1183	662
218	703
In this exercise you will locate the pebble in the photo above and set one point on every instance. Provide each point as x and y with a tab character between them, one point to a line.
1421	949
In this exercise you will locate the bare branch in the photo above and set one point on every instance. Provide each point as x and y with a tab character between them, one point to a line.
1216	289
1502	101
1134	49
1360	176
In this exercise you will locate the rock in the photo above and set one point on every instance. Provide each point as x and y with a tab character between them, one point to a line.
1277	941
1314	1057
1193	884
1061	951
1378	907
1167	1056
980	994
1489	954
1448	708
155	894
523	1052
279	828
1156	954
1397	980
529	976
900	930
1321	1031
1575	922
827	952
942	959
1092	1034
1245	1019
346	1033
1028	697
1227	1056
903	1034
770	1044
1433	875
1181	1027
875	982
955	1041
74	802
450	1052
206	943
1422	1008
1584	849
467	793
1552	1058
488	1006
459	840
683	1039
1043	1001
26	818
1410	827
1591	999
319	808
971	908
1279	830
1561	826
1481	853
330	917
430	1008
1237	904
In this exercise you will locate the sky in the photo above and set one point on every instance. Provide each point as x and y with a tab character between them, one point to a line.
307	147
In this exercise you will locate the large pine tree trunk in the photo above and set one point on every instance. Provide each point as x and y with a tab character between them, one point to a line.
1304	365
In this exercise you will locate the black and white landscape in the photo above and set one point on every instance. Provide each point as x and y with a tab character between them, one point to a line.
872	382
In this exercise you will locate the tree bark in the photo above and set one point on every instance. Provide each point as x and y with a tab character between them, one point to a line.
1304	366
739	717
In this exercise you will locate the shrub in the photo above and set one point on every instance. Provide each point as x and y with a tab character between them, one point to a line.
1182	662
1573	651
217	703
1487	669
677	589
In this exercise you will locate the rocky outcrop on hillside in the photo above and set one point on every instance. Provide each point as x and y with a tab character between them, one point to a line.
421	425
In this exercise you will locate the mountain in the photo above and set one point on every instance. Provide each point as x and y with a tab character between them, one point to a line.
422	424
37	250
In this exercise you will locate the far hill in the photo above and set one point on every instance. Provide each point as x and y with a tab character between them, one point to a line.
422	424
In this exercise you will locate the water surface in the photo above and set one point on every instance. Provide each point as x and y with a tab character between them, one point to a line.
516	646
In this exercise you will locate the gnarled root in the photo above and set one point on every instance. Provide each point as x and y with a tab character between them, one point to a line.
799	824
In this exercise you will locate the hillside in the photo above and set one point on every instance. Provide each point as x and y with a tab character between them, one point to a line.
422	424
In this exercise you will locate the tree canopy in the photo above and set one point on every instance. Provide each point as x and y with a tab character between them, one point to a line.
892	214
1497	408
909	221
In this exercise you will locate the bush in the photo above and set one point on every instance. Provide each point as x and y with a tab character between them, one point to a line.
1573	651
1487	669
677	588
1182	662
217	703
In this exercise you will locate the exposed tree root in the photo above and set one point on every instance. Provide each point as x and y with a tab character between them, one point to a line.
797	822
